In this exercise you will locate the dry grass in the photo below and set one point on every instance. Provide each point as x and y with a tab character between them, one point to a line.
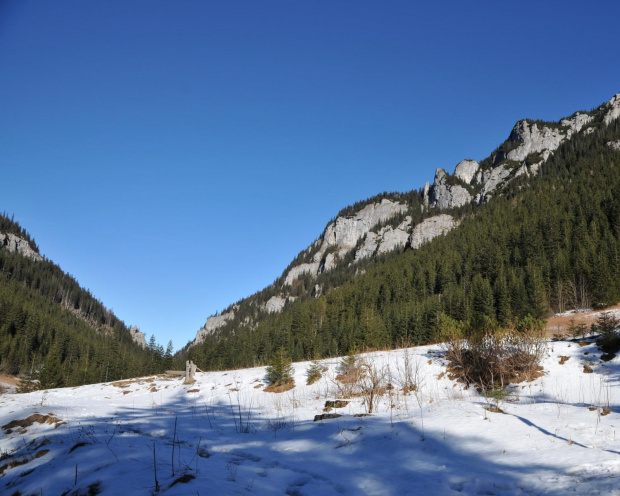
280	387
34	418
563	359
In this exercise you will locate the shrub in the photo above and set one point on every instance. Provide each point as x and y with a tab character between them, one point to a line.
489	361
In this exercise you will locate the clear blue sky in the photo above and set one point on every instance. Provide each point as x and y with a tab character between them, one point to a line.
175	156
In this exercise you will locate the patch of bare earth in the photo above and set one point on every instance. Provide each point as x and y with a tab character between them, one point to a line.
34	418
280	387
559	324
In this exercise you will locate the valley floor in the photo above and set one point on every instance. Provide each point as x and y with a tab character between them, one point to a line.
224	435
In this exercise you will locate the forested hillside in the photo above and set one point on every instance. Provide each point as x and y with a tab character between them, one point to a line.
56	333
544	243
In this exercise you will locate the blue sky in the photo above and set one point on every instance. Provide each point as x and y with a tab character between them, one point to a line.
175	156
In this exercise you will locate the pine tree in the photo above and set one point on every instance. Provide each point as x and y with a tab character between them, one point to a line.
280	370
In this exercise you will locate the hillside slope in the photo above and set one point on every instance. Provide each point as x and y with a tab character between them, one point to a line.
52	331
537	232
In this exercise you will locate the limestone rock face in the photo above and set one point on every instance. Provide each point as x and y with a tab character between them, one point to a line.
443	195
213	322
15	244
431	228
385	240
492	178
346	231
614	144
296	272
369	247
613	111
533	139
275	304
394	238
137	336
537	139
343	235
466	170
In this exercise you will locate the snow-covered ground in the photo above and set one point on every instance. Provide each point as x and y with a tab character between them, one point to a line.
555	437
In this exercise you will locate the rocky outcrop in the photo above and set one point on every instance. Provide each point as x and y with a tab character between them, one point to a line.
492	178
15	244
466	170
444	195
614	144
213	323
275	304
535	138
393	238
342	235
431	228
613	109
387	239
138	336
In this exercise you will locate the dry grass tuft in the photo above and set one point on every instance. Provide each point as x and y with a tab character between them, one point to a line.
280	387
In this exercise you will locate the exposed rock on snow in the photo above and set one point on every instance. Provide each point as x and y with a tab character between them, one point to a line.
614	109
15	244
138	336
213	322
431	228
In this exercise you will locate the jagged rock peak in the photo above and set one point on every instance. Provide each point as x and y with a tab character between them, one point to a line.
137	336
466	170
443	195
15	244
613	111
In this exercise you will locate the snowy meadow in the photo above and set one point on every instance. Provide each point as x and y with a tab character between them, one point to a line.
224	434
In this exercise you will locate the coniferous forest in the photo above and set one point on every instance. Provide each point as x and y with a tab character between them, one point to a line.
545	244
55	333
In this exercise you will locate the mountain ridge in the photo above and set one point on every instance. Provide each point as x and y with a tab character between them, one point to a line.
539	243
411	224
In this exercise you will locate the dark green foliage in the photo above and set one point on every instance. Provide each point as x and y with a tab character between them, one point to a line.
607	326
55	333
280	370
547	243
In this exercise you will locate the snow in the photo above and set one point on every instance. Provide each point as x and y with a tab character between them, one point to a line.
234	438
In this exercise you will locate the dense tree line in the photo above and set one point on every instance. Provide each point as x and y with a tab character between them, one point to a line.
56	333
543	244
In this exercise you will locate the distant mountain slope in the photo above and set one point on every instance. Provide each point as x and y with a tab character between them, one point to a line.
52	330
538	230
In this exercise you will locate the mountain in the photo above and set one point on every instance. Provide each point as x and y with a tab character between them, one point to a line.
54	332
530	229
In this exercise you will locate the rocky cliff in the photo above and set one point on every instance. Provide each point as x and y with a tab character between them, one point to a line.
15	244
387	224
137	336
